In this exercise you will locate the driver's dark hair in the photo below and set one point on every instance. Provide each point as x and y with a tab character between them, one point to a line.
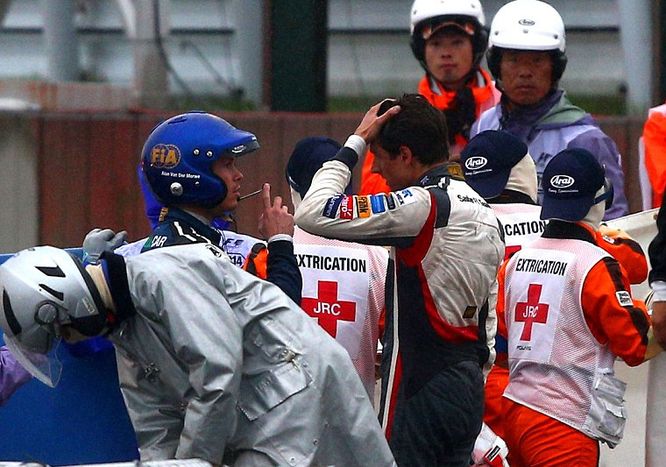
418	125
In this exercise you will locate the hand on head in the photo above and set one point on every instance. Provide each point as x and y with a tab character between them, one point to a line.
372	124
275	219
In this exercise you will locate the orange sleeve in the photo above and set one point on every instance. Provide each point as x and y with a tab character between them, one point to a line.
628	253
654	139
371	183
256	262
614	318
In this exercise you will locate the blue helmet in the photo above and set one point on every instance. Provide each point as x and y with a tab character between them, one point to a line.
178	154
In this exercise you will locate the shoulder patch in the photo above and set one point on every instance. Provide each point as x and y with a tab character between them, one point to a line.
405	197
331	207
624	298
363	206
390	201
346	207
377	203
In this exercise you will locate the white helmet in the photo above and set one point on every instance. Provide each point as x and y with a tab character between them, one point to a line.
43	288
428	9
527	25
427	16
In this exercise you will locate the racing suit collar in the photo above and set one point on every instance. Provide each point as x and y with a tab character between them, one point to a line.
176	214
433	175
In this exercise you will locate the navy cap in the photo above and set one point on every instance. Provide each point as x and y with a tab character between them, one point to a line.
308	156
488	159
570	183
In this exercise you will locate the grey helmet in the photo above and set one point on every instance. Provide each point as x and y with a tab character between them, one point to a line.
42	289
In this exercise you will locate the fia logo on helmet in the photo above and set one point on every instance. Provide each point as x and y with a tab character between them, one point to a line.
164	156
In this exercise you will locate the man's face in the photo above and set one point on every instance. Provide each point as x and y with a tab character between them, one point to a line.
226	169
449	57
391	168
527	76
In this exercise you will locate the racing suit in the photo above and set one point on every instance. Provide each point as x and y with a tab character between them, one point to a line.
552	126
566	309
446	246
223	366
485	96
12	375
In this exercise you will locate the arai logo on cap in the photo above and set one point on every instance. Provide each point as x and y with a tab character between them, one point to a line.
561	181
475	162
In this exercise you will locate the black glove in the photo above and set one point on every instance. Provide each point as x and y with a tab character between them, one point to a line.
460	115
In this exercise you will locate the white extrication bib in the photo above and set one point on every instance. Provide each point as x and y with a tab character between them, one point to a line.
557	367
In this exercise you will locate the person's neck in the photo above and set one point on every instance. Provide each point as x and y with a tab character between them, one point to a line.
202	214
451	86
97	275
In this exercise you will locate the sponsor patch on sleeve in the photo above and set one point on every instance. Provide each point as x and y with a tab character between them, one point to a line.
377	203
390	201
363	206
331	207
624	298
404	197
347	207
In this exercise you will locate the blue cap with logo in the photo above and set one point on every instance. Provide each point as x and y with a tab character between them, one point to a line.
307	158
488	159
570	183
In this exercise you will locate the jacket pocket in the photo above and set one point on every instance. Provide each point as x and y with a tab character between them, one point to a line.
261	393
607	411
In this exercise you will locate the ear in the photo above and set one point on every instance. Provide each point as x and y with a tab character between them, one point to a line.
406	155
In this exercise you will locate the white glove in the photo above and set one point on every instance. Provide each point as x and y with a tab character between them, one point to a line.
489	449
98	241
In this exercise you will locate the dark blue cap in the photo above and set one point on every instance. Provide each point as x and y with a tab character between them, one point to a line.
488	159
308	156
570	183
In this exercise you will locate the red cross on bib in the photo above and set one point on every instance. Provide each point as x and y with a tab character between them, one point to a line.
531	311
327	308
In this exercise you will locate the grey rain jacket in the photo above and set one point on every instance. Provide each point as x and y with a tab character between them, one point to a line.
218	364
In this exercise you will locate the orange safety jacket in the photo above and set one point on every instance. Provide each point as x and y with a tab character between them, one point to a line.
654	140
